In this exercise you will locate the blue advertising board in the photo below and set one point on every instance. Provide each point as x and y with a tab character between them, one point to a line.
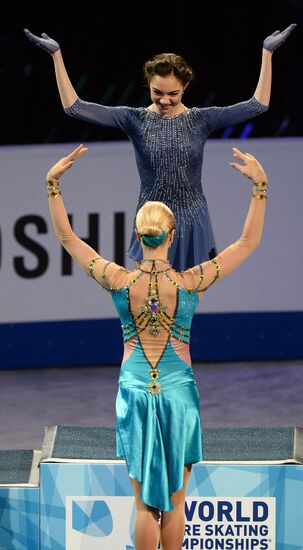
245	507
19	518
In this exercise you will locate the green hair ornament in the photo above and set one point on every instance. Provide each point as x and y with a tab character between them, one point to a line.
154	240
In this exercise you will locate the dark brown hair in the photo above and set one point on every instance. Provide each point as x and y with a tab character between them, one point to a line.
164	64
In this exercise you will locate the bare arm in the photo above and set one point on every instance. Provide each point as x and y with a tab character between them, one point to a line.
232	256
78	249
102	270
107	273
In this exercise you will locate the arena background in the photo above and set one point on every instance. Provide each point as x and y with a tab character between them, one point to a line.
104	47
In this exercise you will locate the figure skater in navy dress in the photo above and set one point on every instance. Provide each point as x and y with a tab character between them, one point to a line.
169	139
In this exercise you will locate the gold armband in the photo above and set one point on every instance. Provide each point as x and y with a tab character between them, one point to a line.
91	266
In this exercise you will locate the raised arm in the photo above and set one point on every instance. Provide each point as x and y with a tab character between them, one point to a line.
270	44
222	117
80	251
67	93
66	90
115	117
232	256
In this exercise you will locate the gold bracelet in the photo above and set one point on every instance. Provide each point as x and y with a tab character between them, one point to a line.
53	193
259	190
259	196
52	183
260	187
260	184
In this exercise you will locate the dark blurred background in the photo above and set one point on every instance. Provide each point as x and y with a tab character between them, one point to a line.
105	45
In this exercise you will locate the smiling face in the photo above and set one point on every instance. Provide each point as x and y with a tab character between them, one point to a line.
166	94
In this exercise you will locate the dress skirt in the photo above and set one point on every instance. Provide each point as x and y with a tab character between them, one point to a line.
157	435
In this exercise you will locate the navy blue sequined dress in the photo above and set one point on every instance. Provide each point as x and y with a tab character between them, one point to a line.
169	157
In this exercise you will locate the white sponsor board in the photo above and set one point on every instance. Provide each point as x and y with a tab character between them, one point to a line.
98	522
36	284
231	523
212	523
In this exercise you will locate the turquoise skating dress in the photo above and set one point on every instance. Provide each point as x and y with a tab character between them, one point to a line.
169	156
158	413
157	406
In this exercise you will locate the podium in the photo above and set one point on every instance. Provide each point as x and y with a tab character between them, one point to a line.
246	494
90	506
19	500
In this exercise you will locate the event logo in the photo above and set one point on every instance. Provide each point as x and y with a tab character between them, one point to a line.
212	523
231	523
99	522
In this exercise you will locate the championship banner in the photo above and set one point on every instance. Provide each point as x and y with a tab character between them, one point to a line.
211	523
229	507
230	523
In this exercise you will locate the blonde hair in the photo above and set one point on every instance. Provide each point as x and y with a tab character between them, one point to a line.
153	218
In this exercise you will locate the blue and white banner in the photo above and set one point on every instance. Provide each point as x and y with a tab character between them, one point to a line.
19	518
46	301
230	523
229	507
39	282
99	522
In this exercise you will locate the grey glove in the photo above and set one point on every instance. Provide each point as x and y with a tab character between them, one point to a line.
46	43
277	38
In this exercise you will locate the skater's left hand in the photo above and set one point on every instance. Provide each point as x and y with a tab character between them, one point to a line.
272	42
251	168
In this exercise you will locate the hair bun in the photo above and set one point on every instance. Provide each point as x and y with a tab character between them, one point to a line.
154	240
151	230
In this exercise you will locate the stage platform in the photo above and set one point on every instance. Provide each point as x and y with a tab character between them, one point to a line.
259	445
19	500
90	506
246	494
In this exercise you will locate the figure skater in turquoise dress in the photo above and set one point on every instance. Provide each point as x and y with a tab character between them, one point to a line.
158	413
169	139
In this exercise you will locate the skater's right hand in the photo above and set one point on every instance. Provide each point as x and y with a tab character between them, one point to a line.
46	43
56	171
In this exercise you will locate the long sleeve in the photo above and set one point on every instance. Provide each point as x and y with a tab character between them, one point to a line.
263	89
115	117
222	117
66	90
